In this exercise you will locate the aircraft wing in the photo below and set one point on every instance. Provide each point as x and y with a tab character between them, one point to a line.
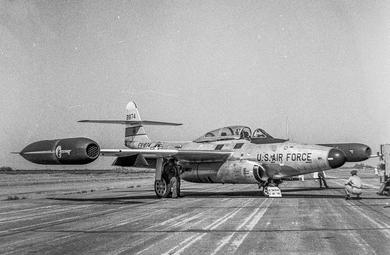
184	155
131	152
203	156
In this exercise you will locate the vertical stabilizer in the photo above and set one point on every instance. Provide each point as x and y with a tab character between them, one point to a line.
136	132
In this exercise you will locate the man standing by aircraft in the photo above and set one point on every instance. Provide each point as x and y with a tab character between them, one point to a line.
172	172
321	179
353	185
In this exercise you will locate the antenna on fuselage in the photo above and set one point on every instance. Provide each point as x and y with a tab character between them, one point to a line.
287	134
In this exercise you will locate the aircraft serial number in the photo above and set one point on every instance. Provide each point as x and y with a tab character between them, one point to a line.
131	116
149	145
280	157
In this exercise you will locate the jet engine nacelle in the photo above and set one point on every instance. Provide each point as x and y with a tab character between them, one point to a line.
69	151
241	171
354	152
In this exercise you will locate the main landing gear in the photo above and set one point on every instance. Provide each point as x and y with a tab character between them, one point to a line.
161	188
162	185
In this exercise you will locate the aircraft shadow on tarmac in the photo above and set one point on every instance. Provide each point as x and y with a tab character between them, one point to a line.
308	189
243	194
287	193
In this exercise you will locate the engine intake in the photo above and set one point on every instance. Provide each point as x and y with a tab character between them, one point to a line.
69	151
240	171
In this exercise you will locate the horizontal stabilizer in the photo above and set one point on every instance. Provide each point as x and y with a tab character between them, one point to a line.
132	122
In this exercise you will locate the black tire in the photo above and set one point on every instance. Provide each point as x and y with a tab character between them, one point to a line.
161	188
265	191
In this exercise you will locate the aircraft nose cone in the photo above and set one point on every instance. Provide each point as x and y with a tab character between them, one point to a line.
336	158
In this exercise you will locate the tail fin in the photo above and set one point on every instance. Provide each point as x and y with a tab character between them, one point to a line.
134	132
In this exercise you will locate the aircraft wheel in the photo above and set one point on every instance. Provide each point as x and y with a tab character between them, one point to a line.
265	191
161	188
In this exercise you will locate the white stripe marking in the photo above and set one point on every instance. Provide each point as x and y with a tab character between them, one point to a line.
251	225
227	239
178	249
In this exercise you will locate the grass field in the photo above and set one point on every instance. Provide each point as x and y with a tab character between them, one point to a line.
24	184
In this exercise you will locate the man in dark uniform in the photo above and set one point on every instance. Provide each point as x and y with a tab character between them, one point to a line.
173	175
321	179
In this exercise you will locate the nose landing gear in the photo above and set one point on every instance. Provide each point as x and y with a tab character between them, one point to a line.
270	188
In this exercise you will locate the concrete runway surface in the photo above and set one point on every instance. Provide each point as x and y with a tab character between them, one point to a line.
209	219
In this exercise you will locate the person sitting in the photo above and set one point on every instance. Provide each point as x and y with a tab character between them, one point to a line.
384	188
353	186
245	135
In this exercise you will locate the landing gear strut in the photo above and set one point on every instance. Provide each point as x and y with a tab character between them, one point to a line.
162	185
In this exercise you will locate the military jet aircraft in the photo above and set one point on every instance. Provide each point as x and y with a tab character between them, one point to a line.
232	154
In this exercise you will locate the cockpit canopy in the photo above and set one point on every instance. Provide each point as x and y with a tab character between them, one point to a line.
226	133
259	136
232	133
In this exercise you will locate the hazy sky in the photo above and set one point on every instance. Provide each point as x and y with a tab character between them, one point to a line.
324	64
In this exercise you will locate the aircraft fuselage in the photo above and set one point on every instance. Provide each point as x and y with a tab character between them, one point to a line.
249	162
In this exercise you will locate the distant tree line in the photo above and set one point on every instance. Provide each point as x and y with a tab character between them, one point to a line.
362	165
